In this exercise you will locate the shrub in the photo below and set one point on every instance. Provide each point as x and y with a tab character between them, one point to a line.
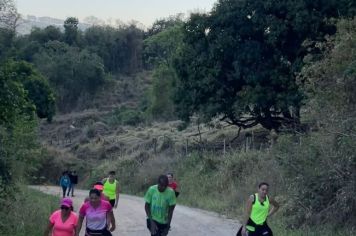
126	116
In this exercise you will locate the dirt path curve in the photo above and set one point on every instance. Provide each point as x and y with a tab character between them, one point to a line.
131	219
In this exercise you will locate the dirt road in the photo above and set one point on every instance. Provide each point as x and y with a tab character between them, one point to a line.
131	219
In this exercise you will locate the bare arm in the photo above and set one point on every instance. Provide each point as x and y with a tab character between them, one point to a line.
177	188
248	213
275	207
170	213
248	209
117	194
112	221
148	210
48	229
79	226
153	226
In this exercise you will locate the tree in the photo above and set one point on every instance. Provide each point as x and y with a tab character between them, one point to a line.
322	164
159	50
12	96
71	71
71	33
8	15
50	33
36	87
240	62
8	22
161	47
165	23
120	49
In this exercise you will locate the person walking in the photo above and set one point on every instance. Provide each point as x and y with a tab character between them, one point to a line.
100	219
73	176
173	184
111	189
99	186
160	202
64	182
258	209
62	222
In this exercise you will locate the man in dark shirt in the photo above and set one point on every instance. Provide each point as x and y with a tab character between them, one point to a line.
73	180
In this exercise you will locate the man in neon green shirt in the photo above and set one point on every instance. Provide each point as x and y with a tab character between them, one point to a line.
160	202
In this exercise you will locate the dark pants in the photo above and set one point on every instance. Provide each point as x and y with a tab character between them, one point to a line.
64	189
263	230
162	229
112	202
71	189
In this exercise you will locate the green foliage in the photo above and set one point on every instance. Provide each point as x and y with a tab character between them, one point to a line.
37	88
240	61
165	23
120	49
320	170
161	94
26	213
162	46
50	33
321	167
6	42
70	71
20	151
159	50
12	97
126	116
28	45
71	32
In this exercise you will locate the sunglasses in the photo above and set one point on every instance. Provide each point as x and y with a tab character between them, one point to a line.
65	208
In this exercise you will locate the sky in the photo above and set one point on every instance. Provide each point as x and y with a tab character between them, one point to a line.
143	11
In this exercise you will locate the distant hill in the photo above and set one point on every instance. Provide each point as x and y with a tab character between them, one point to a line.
29	21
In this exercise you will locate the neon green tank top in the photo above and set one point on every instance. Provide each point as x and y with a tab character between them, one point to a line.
110	189
259	212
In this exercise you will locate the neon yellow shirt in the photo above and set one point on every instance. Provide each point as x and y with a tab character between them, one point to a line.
259	212
110	189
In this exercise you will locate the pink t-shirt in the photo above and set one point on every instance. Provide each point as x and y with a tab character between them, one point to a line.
63	229
95	217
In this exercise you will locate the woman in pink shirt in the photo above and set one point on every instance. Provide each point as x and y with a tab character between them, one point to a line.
63	222
99	186
98	214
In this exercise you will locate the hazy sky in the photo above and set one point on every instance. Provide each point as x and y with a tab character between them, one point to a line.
144	11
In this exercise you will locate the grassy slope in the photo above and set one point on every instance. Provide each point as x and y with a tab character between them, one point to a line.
26	213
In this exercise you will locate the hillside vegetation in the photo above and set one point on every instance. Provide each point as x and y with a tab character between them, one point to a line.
253	91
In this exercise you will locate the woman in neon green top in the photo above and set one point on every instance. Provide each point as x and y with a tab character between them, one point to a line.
258	210
111	189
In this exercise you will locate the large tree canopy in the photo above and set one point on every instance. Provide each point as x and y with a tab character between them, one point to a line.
240	61
71	71
25	86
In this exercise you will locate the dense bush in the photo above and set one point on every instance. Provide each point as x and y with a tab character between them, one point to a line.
321	167
126	116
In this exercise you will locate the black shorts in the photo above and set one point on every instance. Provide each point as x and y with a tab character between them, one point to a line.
162	228
103	232
263	230
112	202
